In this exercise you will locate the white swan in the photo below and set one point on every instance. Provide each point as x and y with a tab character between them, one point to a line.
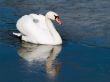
39	29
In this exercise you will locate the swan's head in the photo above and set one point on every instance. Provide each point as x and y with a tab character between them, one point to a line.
54	16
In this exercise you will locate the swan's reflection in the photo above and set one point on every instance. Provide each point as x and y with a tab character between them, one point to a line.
42	53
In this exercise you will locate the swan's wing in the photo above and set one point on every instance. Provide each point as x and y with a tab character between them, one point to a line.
43	34
35	18
39	20
34	26
29	23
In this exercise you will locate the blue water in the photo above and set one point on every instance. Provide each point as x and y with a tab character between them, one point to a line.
84	55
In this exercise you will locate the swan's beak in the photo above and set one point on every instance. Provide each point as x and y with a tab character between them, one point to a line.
58	20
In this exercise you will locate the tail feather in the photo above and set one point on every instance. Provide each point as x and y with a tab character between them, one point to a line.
17	34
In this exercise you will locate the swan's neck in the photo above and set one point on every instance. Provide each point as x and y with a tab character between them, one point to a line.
56	37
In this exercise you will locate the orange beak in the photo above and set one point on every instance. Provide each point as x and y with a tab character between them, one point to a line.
58	21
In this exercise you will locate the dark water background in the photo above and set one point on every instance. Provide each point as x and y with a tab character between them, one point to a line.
84	55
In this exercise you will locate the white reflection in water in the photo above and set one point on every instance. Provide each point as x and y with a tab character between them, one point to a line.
43	54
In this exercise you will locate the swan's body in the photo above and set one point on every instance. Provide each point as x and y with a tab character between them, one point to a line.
39	29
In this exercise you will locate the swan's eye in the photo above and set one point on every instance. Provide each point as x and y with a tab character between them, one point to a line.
57	17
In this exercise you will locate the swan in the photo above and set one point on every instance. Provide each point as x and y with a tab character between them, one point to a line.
39	29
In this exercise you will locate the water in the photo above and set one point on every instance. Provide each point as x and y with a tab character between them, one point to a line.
84	55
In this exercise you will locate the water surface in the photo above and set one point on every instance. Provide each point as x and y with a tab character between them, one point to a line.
84	55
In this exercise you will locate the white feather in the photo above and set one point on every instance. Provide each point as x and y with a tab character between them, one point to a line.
17	34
